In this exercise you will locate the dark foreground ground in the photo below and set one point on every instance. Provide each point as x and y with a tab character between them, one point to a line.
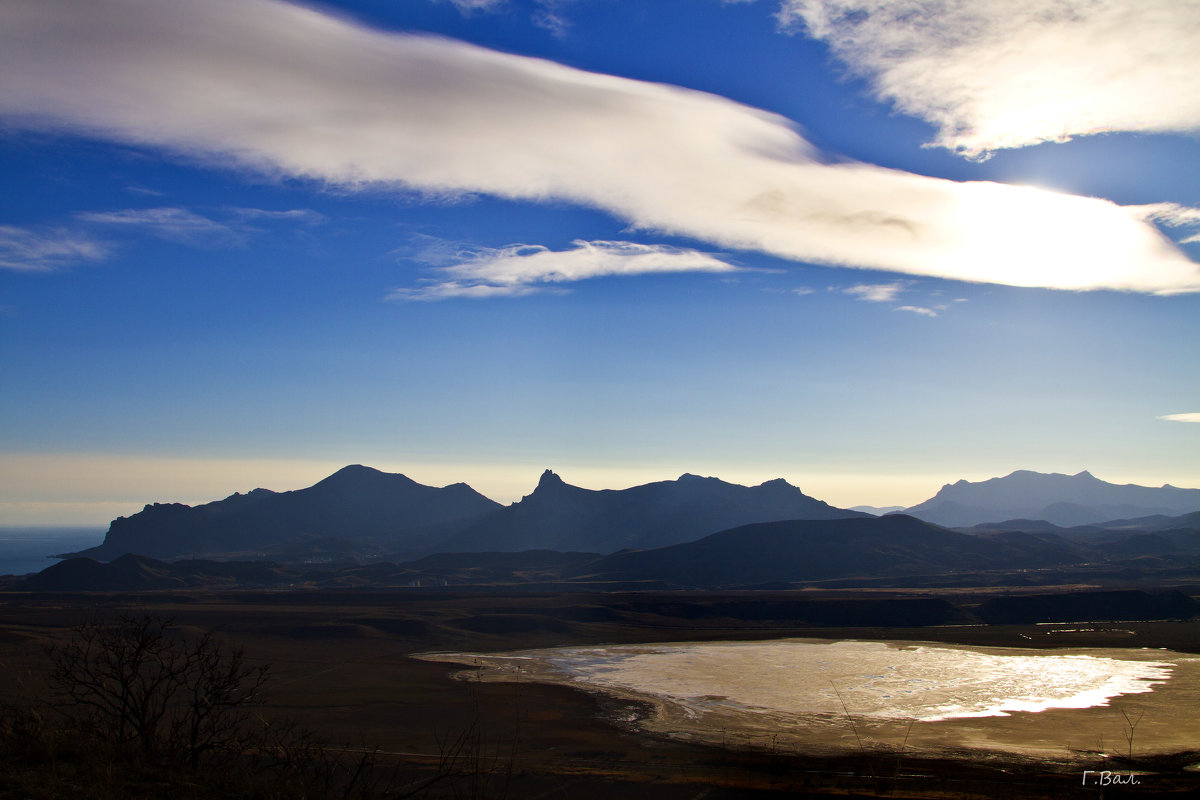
340	666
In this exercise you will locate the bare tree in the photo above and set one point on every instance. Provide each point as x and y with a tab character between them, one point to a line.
137	682
1131	723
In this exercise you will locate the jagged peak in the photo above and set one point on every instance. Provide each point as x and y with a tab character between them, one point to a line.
549	478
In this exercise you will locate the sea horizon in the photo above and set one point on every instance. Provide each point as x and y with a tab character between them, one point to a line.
25	549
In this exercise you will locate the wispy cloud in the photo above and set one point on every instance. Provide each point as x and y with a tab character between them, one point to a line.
1190	417
44	249
550	16
1172	215
469	6
305	216
176	224
191	228
522	269
925	312
547	14
288	90
875	292
993	75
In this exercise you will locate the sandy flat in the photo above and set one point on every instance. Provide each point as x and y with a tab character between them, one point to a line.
1161	721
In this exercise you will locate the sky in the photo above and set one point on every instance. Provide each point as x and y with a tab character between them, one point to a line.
869	246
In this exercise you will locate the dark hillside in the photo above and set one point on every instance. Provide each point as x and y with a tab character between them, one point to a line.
559	516
356	504
808	550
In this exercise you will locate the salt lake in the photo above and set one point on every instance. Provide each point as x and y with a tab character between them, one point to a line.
816	694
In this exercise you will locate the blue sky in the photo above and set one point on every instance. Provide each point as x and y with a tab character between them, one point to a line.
870	247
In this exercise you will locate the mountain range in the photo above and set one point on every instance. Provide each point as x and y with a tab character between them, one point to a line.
891	551
360	511
1064	500
558	516
357	507
780	553
663	529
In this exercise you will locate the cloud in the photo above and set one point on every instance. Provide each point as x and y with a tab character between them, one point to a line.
1172	215
188	227
549	15
1191	417
176	224
992	75
305	216
471	6
925	312
44	249
875	292
292	92
522	269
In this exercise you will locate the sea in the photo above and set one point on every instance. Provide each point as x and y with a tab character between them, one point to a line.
26	549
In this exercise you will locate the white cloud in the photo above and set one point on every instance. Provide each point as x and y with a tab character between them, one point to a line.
470	6
875	292
1191	417
1171	214
522	269
994	75
305	216
290	91
549	15
925	312
176	224
43	249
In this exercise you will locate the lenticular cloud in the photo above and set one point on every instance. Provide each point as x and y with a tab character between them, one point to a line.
291	91
994	75
520	269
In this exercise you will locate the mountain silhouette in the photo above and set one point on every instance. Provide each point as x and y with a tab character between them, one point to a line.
859	551
559	516
1064	500
778	553
356	504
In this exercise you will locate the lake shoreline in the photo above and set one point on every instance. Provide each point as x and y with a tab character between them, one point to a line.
1067	736
343	665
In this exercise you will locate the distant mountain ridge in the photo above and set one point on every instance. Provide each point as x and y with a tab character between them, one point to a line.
807	550
355	503
895	550
559	516
1064	500
362	511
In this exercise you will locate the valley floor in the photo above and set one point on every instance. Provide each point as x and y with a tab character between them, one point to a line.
341	664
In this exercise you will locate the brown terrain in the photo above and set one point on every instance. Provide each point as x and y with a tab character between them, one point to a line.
341	665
